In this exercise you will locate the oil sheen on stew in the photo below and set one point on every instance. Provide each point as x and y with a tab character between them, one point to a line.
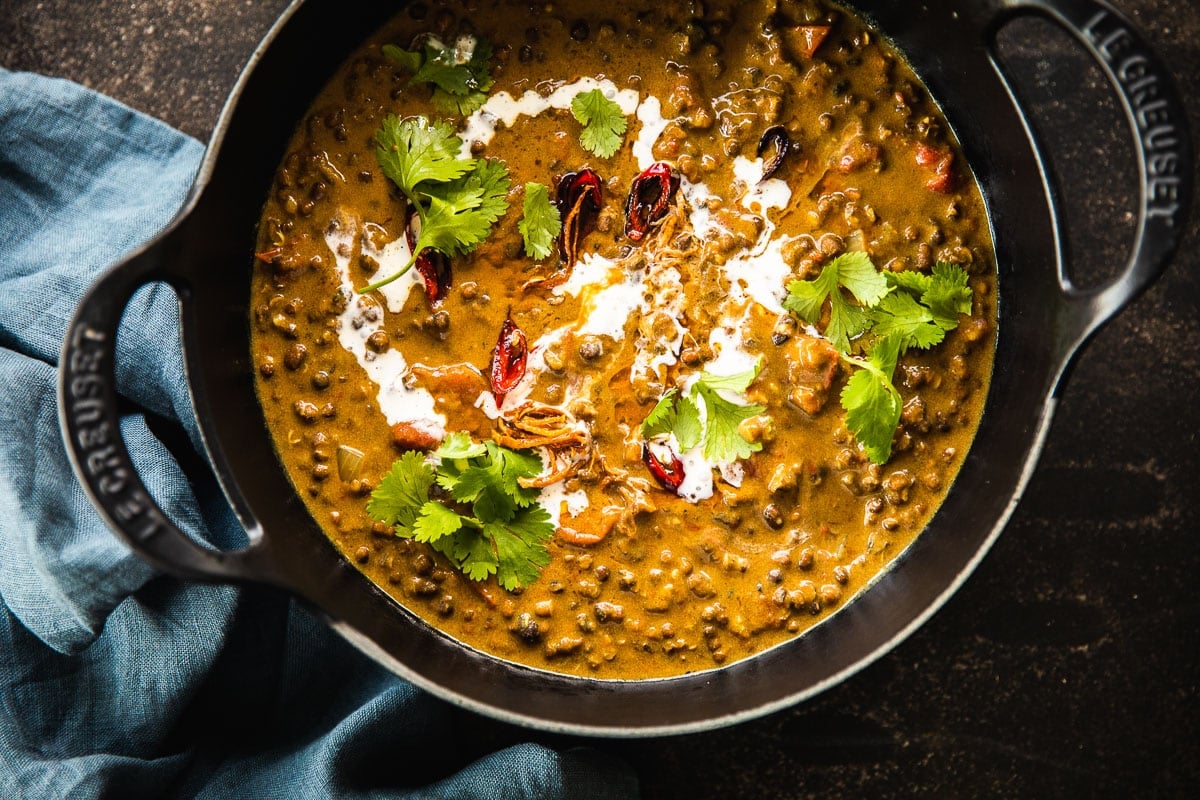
696	338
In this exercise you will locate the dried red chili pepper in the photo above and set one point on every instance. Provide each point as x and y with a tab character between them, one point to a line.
508	360
579	199
669	474
649	198
775	136
432	265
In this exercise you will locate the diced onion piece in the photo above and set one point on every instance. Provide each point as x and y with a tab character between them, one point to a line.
349	460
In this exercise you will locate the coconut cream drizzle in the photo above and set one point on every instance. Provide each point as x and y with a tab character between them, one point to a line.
363	316
503	108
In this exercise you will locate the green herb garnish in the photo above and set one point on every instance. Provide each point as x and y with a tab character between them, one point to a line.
483	519
541	221
603	122
457	199
897	310
703	416
872	403
853	272
458	76
417	151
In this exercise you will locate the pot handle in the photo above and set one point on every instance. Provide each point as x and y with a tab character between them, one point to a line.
1161	142
90	419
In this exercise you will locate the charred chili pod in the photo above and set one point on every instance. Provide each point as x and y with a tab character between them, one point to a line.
432	265
776	139
579	198
668	473
649	198
508	360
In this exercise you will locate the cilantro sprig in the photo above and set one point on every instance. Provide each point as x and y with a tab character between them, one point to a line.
540	222
459	76
703	415
481	517
890	312
457	199
853	272
603	122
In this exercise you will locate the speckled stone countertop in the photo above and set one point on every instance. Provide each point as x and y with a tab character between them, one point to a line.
1068	665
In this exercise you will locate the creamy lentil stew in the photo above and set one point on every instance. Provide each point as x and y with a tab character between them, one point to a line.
761	147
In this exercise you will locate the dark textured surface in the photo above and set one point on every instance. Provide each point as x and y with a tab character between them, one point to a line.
1068	664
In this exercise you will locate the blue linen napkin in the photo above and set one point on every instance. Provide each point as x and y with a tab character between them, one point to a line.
116	681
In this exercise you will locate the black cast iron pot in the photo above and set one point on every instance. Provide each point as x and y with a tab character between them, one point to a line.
1043	320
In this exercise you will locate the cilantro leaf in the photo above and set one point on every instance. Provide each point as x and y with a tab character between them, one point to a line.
915	282
722	441
515	465
475	554
872	403
448	224
661	418
459	83
521	546
948	295
540	221
459	445
463	105
435	522
440	67
506	532
603	122
738	382
408	60
899	314
853	272
490	177
703	416
416	150
402	492
481	487
922	307
689	427
480	65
